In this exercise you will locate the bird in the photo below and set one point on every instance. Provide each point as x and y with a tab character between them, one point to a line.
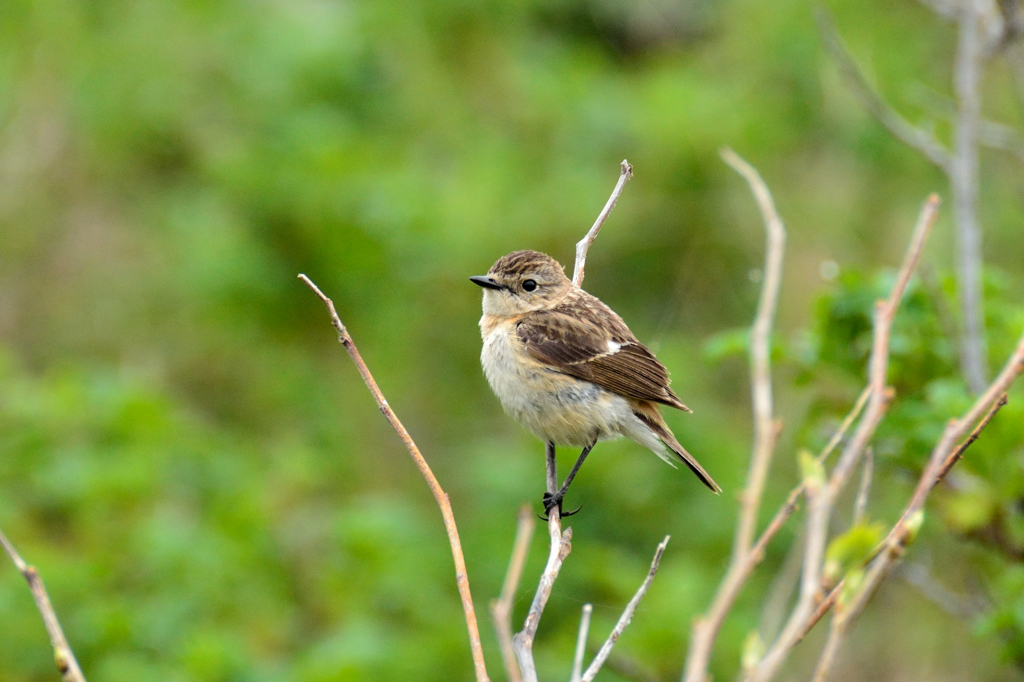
565	366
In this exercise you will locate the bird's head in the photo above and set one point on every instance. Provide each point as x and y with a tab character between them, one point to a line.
522	282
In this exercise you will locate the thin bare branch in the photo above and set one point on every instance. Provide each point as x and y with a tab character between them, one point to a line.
583	245
847	614
1000	136
922	140
522	642
848	420
581	644
957	454
461	579
780	592
821	504
706	628
501	608
627	616
963	176
962	607
861	503
942	459
62	654
765	428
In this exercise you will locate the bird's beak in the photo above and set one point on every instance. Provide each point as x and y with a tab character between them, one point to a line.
486	282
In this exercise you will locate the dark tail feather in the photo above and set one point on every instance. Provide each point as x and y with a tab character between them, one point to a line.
694	465
670	440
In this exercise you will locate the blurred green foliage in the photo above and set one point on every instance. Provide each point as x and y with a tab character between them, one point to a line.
197	471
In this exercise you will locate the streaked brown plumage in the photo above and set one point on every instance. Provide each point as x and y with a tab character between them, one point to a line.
567	367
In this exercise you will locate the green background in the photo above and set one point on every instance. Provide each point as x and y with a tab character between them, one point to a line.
191	460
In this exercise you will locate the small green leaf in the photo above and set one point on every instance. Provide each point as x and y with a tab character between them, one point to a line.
849	550
851	586
812	470
753	651
913	526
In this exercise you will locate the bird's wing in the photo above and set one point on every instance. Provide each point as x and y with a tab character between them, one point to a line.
587	340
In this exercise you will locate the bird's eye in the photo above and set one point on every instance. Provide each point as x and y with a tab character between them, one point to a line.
529	285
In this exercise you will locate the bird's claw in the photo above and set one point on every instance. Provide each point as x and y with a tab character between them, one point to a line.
550	501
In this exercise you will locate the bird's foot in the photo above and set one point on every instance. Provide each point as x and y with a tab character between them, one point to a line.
551	501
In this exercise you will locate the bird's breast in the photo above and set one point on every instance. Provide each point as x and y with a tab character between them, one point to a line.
552	405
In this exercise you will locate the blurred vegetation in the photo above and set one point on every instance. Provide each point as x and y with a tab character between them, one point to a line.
196	469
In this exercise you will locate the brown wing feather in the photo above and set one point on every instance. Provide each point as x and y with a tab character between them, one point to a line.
573	339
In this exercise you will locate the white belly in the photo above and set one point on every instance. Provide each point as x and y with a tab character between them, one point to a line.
551	405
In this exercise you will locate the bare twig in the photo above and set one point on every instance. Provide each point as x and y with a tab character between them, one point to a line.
861	503
846	615
963	176
918	138
821	504
706	628
584	244
957	454
62	654
627	616
963	607
991	134
522	642
960	164
581	644
944	456
906	528
765	428
942	459
848	420
999	136
461	578
501	608
780	592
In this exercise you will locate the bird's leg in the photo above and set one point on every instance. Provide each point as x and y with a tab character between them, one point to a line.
551	499
552	467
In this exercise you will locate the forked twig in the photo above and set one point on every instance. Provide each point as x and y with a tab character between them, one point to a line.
627	615
62	654
461	578
581	644
957	454
522	642
918	138
829	601
584	244
942	459
501	608
766	428
821	505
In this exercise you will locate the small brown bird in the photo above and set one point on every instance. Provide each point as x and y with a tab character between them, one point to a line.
566	367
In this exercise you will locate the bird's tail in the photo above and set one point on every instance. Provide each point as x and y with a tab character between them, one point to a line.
652	418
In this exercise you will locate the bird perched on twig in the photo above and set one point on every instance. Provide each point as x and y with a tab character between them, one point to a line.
566	367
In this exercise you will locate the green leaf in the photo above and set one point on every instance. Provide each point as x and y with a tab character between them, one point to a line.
849	550
753	651
812	471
